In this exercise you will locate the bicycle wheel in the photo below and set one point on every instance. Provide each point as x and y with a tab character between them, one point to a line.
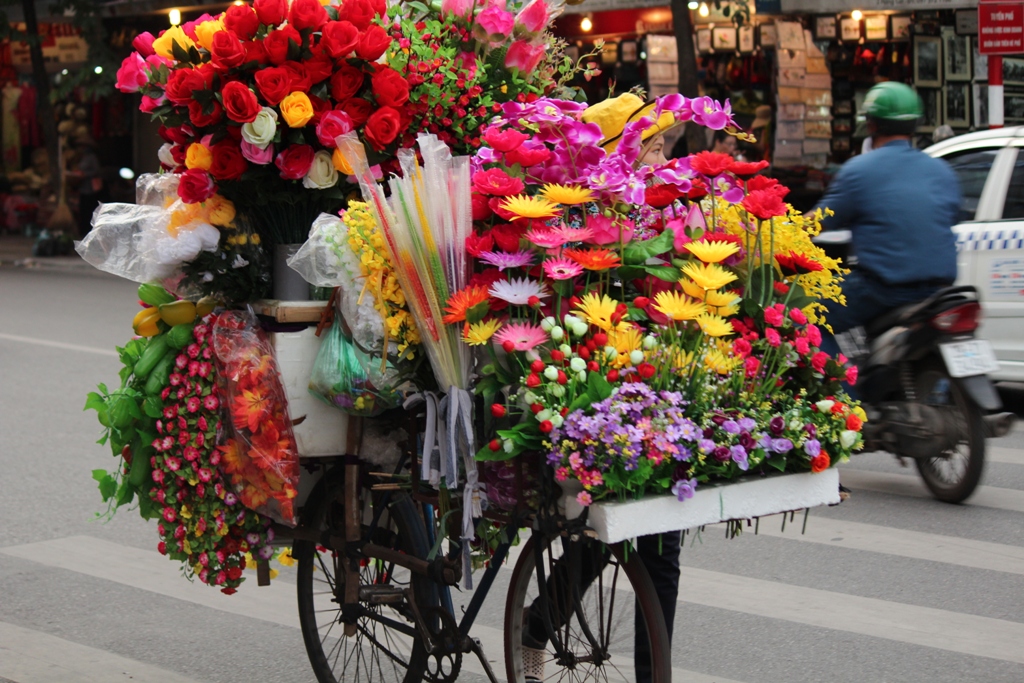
593	618
386	645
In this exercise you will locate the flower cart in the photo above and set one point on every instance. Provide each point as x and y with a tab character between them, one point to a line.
535	330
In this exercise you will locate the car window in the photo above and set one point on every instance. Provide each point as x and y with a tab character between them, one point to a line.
972	169
1013	207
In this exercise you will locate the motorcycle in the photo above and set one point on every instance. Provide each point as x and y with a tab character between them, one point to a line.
924	387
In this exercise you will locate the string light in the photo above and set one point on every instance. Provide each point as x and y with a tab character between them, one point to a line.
174	16
857	15
692	5
703	10
586	25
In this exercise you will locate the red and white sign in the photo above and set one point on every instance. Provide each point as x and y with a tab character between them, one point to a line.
1001	28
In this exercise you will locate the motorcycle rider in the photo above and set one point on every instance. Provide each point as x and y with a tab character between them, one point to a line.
900	205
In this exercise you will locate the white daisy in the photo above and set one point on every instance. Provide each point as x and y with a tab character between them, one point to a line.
517	291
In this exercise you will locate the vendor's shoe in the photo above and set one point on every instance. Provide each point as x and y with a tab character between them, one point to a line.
533	664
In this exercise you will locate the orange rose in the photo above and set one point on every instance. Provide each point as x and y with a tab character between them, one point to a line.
820	462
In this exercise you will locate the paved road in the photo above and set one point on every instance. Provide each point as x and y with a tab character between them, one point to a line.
890	586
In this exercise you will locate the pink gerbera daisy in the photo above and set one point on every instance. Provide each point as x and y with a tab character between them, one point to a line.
574	234
521	336
503	260
562	268
547	239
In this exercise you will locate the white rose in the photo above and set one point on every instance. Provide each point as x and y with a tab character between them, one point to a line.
165	156
322	174
847	438
260	132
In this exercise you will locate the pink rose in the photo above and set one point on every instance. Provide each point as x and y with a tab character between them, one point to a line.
144	43
803	346
132	77
798	316
851	374
609	230
818	361
773	316
257	155
149	104
495	24
333	124
523	56
459	8
533	17
814	335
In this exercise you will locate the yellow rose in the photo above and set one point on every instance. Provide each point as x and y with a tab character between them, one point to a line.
206	30
222	211
198	156
296	109
162	45
338	159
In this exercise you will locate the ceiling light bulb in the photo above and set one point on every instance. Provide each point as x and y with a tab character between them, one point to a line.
174	16
586	25
703	11
98	70
693	4
857	15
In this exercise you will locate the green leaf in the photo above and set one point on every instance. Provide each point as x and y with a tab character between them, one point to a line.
598	388
485	454
179	53
125	493
94	402
108	487
666	273
99	475
636	253
628	273
581	402
778	461
153	406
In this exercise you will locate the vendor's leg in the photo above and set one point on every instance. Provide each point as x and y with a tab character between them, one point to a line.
866	299
660	555
592	560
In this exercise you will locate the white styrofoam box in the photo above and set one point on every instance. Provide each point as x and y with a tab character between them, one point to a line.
743	499
324	429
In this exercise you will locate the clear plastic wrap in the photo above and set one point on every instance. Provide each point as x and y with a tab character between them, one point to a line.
260	455
347	378
156	189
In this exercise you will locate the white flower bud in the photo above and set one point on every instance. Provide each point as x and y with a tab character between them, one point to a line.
636	357
557	420
566	349
544	415
551	373
577	364
582	376
530	398
507	445
570	320
556	390
650	342
557	333
548	323
611	353
847	438
580	329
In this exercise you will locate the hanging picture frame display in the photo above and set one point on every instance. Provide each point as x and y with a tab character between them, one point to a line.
724	39
849	30
704	40
769	35
932	117
1014	106
927	61
956	104
1013	71
980	99
901	28
791	35
876	27
956	52
746	38
825	28
980	65
627	50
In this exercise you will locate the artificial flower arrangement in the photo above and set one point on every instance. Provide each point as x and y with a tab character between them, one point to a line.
648	327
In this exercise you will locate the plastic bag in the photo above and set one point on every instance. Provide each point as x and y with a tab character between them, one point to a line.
260	455
349	379
156	189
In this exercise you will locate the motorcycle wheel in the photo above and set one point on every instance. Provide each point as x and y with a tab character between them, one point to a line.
952	475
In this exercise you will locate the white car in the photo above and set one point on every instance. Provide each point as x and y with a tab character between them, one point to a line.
990	235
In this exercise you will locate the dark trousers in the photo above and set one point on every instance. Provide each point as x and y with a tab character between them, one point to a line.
660	554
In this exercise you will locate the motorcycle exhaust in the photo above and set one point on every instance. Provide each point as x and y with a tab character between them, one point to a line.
999	424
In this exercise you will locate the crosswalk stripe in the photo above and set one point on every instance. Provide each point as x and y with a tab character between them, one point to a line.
277	603
907	485
1008	456
28	656
925	626
903	543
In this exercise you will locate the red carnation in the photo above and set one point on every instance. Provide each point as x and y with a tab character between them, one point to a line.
240	102
274	84
195	185
710	164
228	162
307	14
278	44
764	204
358	110
507	235
389	87
761	182
697	190
496	182
477	244
346	82
339	38
271	12
528	156
242	21
747	169
372	43
660	196
382	127
294	162
504	140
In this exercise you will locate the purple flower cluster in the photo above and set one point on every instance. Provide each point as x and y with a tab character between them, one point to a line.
733	439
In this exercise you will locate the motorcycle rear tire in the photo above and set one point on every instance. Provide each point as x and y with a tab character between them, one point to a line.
972	437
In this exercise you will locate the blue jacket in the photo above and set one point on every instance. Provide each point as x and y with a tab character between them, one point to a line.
900	204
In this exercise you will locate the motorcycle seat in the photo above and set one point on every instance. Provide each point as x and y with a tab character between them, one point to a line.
893	318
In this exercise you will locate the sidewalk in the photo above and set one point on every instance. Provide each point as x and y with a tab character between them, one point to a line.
16	250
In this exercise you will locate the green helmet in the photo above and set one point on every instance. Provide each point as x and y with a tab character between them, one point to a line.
891	101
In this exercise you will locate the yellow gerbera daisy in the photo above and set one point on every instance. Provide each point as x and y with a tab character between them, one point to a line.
567	195
725	311
480	333
720	363
625	339
718	299
678	306
712	252
708	275
598	310
714	325
530	207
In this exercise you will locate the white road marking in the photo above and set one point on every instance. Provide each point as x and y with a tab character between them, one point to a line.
28	656
1008	456
277	603
901	542
58	345
908	485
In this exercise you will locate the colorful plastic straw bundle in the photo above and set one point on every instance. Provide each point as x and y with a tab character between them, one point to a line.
426	223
